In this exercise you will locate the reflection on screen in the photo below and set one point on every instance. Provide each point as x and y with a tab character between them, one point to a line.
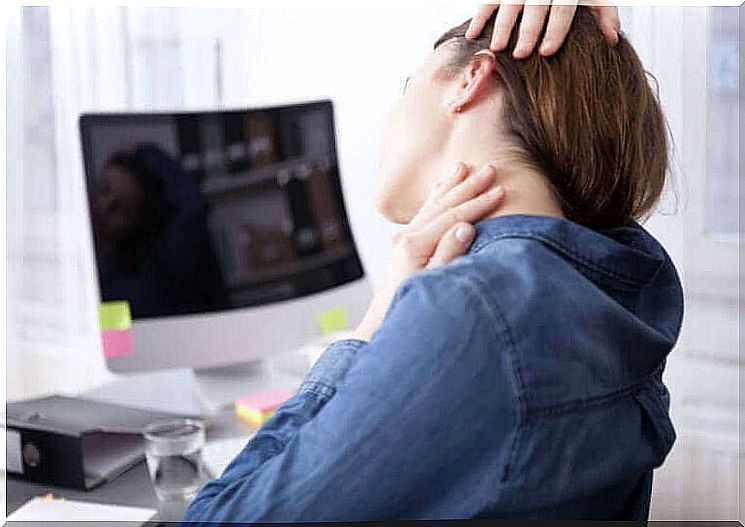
208	211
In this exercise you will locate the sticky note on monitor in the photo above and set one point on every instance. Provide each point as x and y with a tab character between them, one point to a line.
117	343
333	320
114	316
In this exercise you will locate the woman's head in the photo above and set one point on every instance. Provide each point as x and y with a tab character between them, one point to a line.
586	118
129	200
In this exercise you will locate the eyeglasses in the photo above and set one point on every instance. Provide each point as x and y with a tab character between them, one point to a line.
405	85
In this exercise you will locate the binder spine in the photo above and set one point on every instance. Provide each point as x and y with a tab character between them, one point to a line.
49	457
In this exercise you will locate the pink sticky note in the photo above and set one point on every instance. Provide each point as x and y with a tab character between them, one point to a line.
117	342
264	401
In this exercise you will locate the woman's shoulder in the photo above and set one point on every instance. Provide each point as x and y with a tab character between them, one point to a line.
513	282
475	287
519	262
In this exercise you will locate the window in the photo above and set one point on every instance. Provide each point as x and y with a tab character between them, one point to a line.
64	61
722	192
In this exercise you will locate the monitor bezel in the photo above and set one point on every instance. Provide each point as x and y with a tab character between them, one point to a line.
88	120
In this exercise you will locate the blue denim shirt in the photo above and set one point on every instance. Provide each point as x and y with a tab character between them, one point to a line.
523	380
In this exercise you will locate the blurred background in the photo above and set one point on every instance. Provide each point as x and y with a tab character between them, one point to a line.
64	61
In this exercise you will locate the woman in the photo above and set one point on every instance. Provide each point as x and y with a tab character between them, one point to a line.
151	235
523	379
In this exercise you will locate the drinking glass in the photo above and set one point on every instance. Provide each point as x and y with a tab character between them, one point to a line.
174	458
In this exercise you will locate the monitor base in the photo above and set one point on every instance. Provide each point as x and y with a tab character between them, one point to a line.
218	388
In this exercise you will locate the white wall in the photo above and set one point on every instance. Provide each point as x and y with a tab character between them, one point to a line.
699	480
356	56
108	59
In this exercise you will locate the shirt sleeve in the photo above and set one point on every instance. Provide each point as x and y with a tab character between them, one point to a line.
386	429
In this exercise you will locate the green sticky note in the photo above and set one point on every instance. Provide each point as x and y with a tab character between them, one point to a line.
114	315
333	320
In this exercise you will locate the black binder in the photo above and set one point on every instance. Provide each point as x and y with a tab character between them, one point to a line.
74	442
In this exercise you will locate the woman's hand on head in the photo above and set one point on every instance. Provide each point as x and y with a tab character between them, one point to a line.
442	231
560	14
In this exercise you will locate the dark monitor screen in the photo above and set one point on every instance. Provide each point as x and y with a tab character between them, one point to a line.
201	212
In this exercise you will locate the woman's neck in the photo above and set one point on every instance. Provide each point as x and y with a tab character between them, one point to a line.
527	189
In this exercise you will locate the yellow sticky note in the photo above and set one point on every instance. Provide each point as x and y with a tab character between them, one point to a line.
333	320
254	418
114	315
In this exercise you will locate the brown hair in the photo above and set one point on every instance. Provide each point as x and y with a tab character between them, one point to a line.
586	117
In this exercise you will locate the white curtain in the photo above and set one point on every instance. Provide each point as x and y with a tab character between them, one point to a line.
693	53
63	62
74	60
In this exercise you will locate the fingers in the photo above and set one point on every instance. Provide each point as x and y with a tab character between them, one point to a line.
459	189
445	185
534	16
503	25
560	16
429	235
470	188
454	244
459	199
431	206
559	22
609	22
479	20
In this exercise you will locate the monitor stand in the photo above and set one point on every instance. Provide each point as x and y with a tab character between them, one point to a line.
217	388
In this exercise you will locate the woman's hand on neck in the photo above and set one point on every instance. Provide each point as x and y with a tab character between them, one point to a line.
527	189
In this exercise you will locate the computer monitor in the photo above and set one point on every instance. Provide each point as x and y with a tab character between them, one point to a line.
225	232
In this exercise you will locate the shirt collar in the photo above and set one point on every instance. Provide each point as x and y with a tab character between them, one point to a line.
628	253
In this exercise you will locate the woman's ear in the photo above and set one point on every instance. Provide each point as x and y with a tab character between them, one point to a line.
474	82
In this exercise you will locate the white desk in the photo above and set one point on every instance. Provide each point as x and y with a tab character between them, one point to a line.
171	391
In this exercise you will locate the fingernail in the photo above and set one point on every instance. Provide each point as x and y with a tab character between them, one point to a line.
464	233
486	170
496	192
457	168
